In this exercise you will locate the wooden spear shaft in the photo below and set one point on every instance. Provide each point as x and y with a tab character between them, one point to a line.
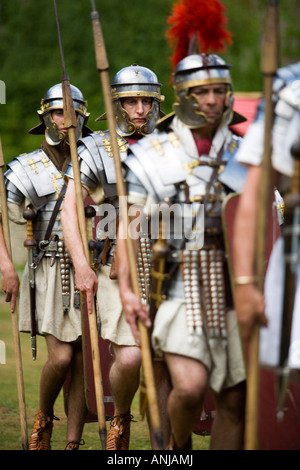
70	123
15	328
269	68
103	69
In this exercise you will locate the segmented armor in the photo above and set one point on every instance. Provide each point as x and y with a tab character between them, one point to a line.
96	162
160	166
34	176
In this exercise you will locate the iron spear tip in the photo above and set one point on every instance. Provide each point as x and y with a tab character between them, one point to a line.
159	439
94	14
283	374
102	435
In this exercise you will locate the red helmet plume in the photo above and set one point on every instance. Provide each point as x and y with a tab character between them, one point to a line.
199	24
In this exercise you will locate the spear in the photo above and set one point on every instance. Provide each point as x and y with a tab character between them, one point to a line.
103	69
70	122
15	329
269	63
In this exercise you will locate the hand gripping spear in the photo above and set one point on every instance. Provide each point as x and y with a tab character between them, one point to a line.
70	122
103	68
269	68
16	336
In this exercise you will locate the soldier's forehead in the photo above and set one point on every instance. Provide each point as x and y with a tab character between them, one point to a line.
210	86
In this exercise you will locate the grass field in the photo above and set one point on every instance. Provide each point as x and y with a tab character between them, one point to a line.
10	433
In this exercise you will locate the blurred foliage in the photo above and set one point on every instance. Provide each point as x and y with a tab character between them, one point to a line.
134	32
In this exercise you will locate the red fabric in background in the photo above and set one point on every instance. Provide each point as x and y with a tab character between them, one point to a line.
246	105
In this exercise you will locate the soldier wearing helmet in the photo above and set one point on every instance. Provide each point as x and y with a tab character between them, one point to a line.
35	191
53	101
191	165
138	83
137	105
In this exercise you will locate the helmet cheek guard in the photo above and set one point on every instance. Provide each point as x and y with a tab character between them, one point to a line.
228	111
151	118
52	134
126	128
186	108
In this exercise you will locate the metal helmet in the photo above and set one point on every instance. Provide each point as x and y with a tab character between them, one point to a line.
196	70
52	100
135	81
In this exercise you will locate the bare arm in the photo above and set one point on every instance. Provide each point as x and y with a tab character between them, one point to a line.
132	305
85	278
249	301
10	280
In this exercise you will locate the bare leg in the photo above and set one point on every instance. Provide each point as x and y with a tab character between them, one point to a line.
124	376
124	381
228	427
53	376
54	372
189	379
76	399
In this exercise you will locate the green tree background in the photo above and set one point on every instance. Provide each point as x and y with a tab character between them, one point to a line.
134	32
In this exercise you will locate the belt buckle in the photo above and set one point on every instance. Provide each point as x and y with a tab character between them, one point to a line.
52	245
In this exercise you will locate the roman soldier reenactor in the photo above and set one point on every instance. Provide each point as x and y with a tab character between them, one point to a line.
49	301
136	99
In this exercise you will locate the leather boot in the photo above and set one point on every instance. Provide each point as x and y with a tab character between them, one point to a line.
74	445
42	431
119	433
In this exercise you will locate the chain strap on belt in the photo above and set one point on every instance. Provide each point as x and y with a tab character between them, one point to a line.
144	259
64	262
204	293
191	284
212	276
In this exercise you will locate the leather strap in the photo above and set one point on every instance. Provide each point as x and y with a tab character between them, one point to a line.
51	223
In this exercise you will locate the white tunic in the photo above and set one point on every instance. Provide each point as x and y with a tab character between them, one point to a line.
286	131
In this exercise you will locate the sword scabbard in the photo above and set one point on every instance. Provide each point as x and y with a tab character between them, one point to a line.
30	244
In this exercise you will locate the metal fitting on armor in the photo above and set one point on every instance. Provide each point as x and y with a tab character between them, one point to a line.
135	81
199	70
53	100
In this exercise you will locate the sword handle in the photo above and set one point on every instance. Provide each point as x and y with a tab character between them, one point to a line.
295	183
29	215
160	253
292	199
90	212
